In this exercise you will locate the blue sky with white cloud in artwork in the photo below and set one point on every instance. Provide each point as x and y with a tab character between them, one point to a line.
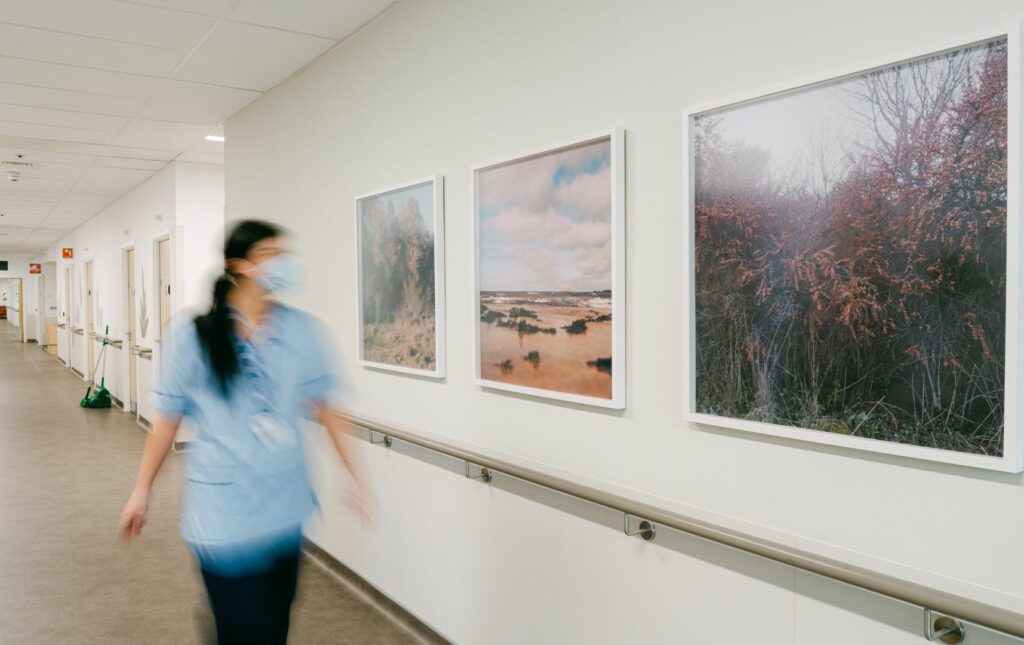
545	221
421	194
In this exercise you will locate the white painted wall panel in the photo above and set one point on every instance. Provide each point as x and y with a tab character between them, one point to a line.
436	87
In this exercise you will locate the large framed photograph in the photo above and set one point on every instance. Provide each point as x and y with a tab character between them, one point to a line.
549	313
400	255
853	266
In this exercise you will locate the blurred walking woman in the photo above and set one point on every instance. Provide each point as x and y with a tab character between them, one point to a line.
245	374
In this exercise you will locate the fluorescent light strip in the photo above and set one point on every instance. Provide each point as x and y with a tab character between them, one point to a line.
214	137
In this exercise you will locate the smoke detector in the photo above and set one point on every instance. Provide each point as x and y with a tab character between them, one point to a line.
13	176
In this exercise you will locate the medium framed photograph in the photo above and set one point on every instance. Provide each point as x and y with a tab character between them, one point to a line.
549	262
400	255
853	256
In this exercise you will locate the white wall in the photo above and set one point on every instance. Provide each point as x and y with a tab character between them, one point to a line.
438	86
184	200
199	210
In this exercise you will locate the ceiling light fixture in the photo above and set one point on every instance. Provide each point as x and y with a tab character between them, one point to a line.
214	137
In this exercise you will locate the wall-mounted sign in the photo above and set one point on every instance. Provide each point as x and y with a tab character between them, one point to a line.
68	254
35	268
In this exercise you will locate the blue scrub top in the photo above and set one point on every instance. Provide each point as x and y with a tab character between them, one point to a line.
247	492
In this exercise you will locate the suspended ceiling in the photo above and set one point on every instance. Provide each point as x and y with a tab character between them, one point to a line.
97	95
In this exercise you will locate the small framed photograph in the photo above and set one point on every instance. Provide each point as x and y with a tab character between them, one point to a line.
400	254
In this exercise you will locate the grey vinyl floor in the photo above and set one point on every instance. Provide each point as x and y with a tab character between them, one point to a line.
65	472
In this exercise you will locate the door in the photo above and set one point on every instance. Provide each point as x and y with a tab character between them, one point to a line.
69	347
41	310
90	326
166	308
133	385
20	299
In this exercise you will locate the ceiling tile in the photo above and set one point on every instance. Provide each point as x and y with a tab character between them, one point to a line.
38	156
160	134
250	57
10	222
54	47
56	220
71	211
12	199
206	7
96	201
328	18
122	162
68	100
80	79
46	235
64	118
60	219
195	103
116	175
37	146
22	209
120	21
55	132
100	189
35	184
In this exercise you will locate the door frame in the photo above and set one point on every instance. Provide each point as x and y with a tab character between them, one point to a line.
41	308
172	235
21	308
66	313
88	288
128	359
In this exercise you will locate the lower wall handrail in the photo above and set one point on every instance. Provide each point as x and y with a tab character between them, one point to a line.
964	608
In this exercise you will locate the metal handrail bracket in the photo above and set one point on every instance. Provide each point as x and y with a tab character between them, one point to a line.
938	627
476	471
385	440
644	528
994	612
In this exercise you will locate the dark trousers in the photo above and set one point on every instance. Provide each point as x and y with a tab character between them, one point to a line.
255	609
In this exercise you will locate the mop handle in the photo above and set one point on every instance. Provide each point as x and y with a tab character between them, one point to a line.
103	357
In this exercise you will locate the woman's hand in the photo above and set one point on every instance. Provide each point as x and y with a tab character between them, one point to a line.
133	516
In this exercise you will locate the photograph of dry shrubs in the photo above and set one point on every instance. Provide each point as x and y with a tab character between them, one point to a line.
850	247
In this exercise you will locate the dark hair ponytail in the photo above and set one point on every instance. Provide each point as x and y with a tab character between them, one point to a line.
215	328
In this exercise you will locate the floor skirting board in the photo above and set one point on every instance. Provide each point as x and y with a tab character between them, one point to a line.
395	611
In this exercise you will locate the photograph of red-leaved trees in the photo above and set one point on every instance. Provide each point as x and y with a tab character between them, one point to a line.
850	254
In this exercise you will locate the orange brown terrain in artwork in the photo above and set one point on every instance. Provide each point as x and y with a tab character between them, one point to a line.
551	341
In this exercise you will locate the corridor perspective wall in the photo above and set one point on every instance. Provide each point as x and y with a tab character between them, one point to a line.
184	200
439	86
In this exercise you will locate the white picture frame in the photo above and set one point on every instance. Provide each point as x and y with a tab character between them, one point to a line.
436	183
1011	459
617	399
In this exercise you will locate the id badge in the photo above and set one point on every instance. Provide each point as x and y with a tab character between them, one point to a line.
272	432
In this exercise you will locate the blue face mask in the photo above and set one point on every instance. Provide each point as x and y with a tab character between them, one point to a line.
280	273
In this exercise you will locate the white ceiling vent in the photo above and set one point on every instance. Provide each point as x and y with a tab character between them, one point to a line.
18	164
